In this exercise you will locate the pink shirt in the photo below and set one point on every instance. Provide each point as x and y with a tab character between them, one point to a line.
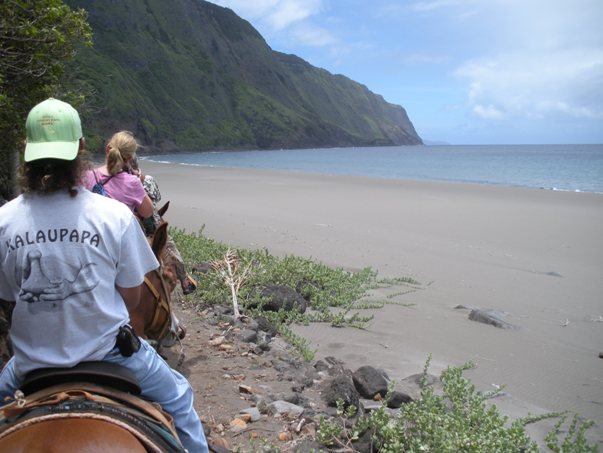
122	187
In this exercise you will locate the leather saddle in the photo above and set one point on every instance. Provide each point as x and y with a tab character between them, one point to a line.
91	390
100	373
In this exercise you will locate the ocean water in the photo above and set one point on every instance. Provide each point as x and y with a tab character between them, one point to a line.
577	168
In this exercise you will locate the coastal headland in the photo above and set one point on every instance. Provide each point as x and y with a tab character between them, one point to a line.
535	256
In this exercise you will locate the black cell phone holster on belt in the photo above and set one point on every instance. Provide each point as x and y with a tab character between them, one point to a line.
127	342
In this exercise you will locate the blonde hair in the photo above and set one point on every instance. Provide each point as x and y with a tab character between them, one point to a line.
121	148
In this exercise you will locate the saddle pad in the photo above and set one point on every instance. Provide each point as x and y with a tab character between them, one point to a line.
153	427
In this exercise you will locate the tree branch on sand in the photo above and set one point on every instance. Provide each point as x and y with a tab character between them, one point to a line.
233	275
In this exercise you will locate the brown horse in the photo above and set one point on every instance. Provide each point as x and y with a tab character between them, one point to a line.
153	317
94	407
74	414
73	435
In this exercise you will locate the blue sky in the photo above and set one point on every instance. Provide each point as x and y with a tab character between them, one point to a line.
466	71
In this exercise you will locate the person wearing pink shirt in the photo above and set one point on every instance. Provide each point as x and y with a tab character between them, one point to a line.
116	175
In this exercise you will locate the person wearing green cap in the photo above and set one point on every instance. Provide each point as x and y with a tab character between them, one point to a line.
73	263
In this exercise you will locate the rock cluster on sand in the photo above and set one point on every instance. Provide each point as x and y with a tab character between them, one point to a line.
280	399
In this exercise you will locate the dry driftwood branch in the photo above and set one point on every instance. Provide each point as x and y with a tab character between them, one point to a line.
229	269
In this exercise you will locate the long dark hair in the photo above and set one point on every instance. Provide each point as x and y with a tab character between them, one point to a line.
51	175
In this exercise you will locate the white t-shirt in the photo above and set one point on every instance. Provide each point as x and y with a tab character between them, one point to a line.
61	259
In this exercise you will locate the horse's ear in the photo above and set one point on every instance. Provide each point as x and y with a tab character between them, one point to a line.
161	211
159	239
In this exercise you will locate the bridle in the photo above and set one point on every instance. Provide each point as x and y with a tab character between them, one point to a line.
161	320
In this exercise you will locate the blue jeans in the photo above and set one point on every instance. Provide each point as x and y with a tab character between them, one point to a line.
159	383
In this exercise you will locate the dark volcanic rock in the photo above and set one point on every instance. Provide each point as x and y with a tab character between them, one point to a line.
332	366
369	382
248	336
398	399
491	317
364	443
277	297
266	326
340	388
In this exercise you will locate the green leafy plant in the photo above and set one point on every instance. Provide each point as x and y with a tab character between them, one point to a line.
334	433
574	441
334	296
37	39
460	419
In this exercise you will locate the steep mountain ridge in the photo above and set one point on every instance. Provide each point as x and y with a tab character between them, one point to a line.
191	75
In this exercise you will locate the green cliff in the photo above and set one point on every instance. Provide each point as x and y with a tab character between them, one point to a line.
191	75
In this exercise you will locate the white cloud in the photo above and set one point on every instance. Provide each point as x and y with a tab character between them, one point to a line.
545	59
248	9
538	59
278	14
291	19
312	36
488	112
288	12
536	85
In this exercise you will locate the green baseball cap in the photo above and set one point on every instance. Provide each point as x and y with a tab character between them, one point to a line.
53	131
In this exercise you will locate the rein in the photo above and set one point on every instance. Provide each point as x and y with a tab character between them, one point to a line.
160	323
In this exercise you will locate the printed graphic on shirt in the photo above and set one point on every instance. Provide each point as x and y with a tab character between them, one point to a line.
52	235
50	279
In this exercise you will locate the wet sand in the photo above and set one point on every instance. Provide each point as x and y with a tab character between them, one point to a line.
536	255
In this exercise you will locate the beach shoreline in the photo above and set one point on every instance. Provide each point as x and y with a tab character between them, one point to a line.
535	255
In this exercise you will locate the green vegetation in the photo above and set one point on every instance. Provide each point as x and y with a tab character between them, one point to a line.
461	419
191	75
182	75
574	441
335	296
36	40
457	419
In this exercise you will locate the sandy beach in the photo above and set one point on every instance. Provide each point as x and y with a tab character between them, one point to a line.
536	255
